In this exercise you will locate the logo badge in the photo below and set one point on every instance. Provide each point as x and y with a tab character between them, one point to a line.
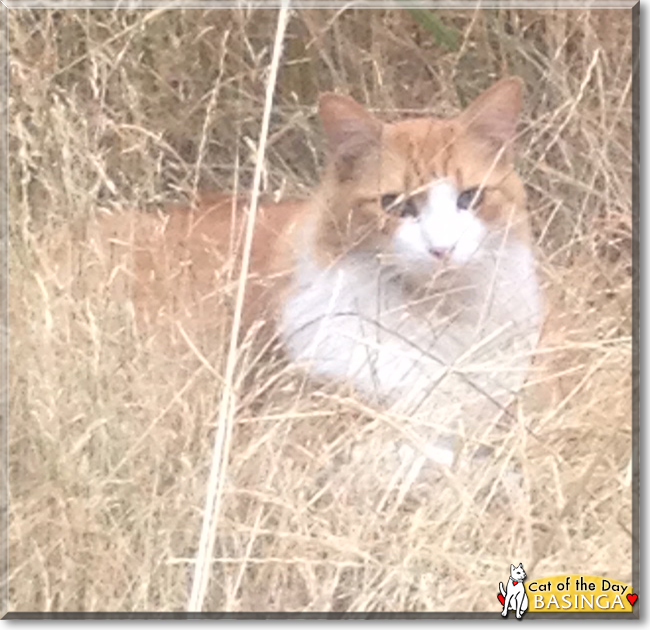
564	593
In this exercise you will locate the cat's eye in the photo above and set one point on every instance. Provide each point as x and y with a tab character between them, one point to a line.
399	204
470	198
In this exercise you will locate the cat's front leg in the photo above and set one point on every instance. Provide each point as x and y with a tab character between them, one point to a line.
519	607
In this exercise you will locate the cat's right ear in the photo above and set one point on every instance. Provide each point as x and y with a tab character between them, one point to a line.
494	115
352	131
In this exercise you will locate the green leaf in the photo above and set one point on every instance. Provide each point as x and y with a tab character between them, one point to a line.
446	36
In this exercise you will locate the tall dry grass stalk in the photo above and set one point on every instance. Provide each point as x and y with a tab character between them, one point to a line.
227	406
113	475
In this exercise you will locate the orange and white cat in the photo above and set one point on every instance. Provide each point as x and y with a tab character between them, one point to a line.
409	273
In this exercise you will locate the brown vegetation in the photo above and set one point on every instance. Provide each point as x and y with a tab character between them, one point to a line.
111	431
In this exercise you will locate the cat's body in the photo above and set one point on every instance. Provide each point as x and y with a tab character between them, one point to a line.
359	319
514	594
409	273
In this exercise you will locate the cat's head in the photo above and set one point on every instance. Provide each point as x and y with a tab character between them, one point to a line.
517	573
421	193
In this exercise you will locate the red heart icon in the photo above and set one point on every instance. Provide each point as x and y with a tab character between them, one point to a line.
632	598
502	599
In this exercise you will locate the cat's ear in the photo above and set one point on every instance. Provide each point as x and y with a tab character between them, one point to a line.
494	115
512	567
351	130
521	565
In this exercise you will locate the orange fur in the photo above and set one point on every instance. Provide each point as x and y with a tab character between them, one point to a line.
182	263
183	258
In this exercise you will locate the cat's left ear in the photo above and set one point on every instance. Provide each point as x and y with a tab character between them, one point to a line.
351	130
494	115
521	564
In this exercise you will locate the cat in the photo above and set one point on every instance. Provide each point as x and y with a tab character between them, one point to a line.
413	274
514	596
409	273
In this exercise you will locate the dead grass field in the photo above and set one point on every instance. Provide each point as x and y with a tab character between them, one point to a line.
111	432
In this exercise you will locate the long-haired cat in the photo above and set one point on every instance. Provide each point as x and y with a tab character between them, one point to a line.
409	274
412	274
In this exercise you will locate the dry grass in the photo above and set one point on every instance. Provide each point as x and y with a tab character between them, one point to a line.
111	432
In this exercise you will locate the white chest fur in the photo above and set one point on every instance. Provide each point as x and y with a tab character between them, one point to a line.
465	340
